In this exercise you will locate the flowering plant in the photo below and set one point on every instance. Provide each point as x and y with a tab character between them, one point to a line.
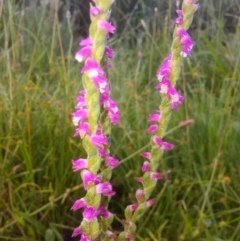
96	111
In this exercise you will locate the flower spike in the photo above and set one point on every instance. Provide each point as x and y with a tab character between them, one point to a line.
167	75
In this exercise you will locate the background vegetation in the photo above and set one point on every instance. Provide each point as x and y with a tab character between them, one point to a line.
38	84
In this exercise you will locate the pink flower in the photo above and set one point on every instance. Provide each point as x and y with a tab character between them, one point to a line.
133	207
77	231
94	11
86	41
186	41
139	179
89	177
113	110
111	235
101	83
163	145
89	213
179	20
156	176
146	167
150	202
82	130
79	164
175	98
80	203
109	52
152	129
140	195
103	212
105	189
102	152
146	155
165	68
105	25
164	85
83	53
154	117
81	102
84	238
114	117
93	68
79	116
111	162
99	140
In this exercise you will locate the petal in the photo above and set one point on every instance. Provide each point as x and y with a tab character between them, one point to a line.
79	164
152	129
133	207
77	231
94	11
145	166
80	203
83	53
86	41
146	155
82	130
156	176
154	117
167	146
89	177
105	189
103	212
105	25
99	140
163	145
111	162
89	213
109	52
150	202
140	195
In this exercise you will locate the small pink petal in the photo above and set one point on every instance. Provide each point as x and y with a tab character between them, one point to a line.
111	235
102	152
83	53
82	130
79	164
94	11
105	25
77	231
99	140
146	155
140	195
150	202
105	189
163	145
80	203
90	213
152	129
133	207
145	166
89	177
86	41
156	176
103	212
79	116
109	52
154	117
111	162
139	179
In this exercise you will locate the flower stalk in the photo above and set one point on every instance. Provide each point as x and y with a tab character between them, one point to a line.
171	98
95	112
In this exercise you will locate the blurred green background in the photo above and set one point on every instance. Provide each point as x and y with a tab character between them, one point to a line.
39	80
